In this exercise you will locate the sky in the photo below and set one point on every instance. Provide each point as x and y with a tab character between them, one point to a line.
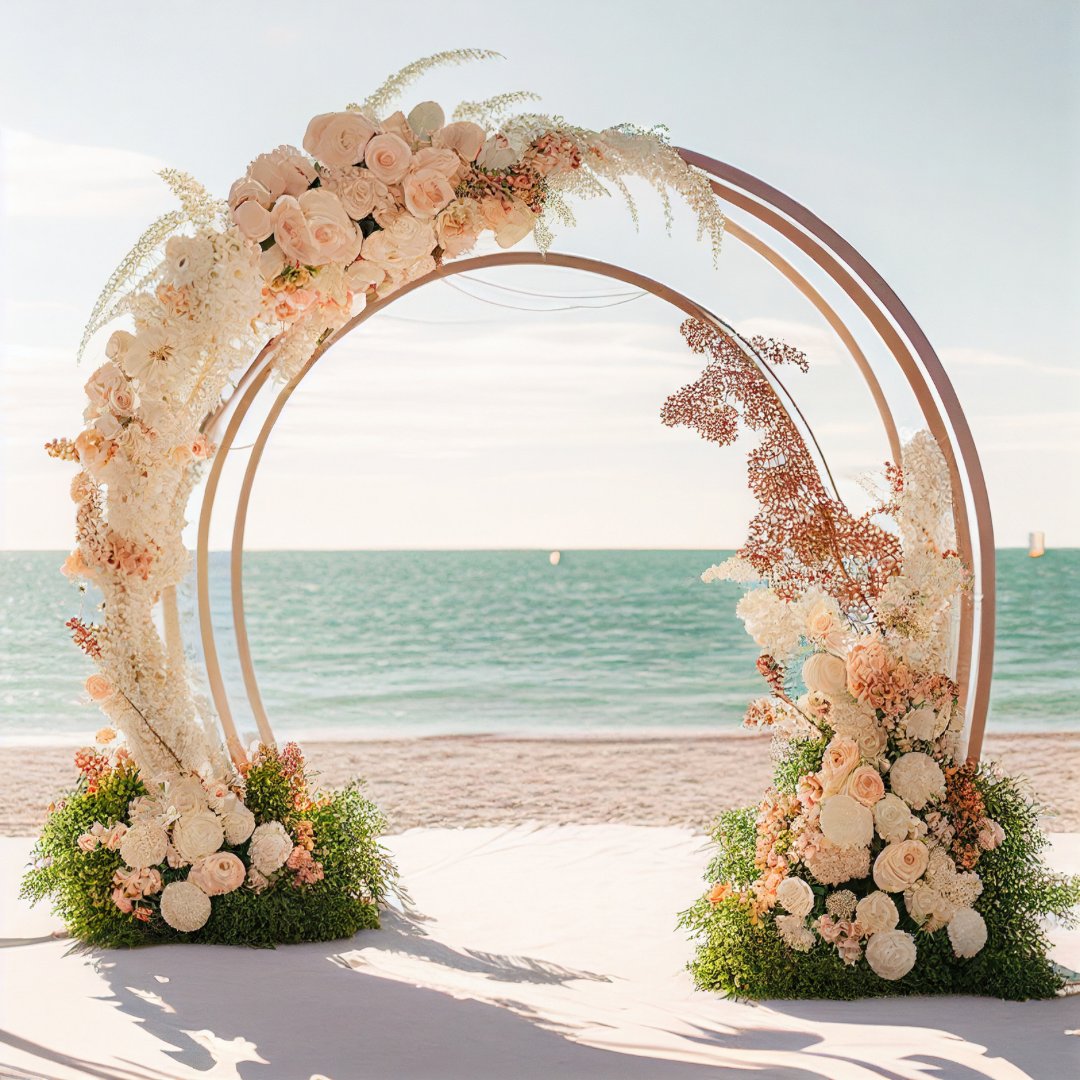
941	139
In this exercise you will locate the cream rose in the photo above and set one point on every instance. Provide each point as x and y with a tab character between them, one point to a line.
967	932
917	779
825	673
388	157
397	124
253	220
426	192
144	844
866	785
184	906
198	834
358	190
927	906
270	847
846	822
876	913
871	739
218	874
891	954
247	190
118	344
425	118
892	817
463	137
795	896
338	139
363	275
185	796
284	171
900	865
238	822
841	756
315	229
396	248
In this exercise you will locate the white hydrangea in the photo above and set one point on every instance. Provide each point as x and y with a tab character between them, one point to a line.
774	623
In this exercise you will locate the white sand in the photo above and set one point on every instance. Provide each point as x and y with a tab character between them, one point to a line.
527	952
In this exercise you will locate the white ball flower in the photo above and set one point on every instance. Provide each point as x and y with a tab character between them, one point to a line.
967	932
877	913
892	817
184	906
198	834
144	845
270	846
891	954
795	895
917	778
239	823
846	822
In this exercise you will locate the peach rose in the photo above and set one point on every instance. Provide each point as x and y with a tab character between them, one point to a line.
458	226
865	785
426	192
388	157
396	124
115	836
121	901
440	159
463	137
498	152
314	229
825	673
426	118
284	171
900	865
364	275
253	220
841	756
509	218
247	190
218	874
98	687
338	139
87	842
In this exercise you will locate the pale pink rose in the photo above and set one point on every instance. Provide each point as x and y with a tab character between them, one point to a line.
396	124
900	865
426	192
118	344
338	139
114	836
991	835
364	275
87	842
123	400
101	385
444	161
458	226
253	220
218	874
509	218
98	687
388	157
284	171
425	118
314	229
463	137
357	188
865	785
841	756
247	190
121	901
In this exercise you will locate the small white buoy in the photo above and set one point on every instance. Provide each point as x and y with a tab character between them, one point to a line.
1036	544
554	558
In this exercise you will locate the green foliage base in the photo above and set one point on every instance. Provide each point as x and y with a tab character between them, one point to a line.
747	960
346	825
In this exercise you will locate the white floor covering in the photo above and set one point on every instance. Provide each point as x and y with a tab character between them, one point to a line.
526	952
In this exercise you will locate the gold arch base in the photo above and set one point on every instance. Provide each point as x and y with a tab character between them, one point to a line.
886	316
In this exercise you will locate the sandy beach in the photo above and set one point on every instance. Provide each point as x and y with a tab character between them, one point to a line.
459	781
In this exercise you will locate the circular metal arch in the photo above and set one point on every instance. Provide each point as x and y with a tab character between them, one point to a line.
890	320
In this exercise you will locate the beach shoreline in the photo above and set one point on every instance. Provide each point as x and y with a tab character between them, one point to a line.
593	778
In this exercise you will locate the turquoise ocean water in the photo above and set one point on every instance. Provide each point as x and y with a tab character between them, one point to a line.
408	643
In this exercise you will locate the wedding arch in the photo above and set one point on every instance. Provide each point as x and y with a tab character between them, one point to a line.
856	874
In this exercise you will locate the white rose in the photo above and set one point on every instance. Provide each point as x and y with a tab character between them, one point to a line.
892	817
426	118
922	724
388	157
846	822
186	796
198	834
900	865
871	739
118	344
917	779
270	847
876	913
967	932
238	822
144	844
184	906
826	673
891	954
338	139
795	896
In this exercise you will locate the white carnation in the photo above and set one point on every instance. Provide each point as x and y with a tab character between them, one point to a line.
144	844
967	932
846	822
270	846
198	834
184	906
795	896
891	954
917	779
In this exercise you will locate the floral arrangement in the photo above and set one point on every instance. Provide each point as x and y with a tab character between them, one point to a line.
879	861
261	860
374	200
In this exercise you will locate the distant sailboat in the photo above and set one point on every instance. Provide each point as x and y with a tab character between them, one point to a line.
1036	544
554	558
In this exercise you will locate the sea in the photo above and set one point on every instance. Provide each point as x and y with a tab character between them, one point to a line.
373	644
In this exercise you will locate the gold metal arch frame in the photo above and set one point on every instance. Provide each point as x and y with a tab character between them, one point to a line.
887	317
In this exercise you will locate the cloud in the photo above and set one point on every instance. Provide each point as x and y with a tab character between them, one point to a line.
963	357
